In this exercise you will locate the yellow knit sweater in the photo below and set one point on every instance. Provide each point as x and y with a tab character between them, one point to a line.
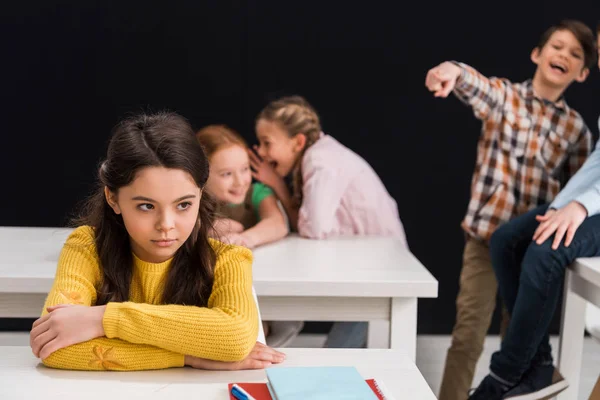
140	333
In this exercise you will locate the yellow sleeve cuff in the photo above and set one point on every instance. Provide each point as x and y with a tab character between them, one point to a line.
110	321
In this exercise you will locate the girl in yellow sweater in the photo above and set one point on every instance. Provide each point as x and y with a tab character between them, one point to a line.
139	285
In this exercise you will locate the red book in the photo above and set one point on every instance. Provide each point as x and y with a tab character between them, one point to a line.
260	391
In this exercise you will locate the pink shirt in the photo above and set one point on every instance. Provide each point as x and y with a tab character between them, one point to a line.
342	195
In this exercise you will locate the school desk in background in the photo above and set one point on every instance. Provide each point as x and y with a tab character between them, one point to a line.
318	383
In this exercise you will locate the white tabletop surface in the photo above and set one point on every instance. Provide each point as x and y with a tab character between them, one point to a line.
294	266
340	267
22	376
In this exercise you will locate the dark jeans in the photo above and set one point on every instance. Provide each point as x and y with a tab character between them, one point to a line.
530	279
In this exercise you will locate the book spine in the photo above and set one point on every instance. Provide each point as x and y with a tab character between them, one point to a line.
381	391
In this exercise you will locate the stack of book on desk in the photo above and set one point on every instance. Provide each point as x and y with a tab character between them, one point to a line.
315	383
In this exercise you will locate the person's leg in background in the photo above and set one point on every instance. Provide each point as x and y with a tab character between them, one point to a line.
504	321
508	245
347	335
282	333
525	347
475	306
596	391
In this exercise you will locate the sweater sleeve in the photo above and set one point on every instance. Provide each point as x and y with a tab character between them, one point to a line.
77	278
226	330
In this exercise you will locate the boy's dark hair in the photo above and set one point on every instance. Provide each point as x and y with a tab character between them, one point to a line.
582	32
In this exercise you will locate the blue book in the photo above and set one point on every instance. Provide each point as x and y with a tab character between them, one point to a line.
318	383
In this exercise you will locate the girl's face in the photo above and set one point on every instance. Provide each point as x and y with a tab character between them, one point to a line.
277	148
230	175
159	209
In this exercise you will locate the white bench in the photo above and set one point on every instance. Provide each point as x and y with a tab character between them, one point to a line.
23	377
582	285
345	279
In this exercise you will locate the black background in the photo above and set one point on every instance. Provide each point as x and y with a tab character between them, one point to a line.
70	70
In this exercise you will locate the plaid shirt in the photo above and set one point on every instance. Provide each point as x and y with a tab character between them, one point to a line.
528	148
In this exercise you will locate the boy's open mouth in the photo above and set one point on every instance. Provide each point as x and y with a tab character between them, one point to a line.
562	68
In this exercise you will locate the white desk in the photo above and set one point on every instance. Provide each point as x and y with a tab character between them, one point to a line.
22	376
344	279
582	284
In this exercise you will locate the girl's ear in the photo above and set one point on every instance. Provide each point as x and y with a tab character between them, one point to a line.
299	142
111	199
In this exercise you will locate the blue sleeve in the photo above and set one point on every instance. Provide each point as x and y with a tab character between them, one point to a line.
584	186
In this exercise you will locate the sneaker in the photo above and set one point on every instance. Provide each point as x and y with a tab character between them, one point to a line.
489	389
282	333
541	382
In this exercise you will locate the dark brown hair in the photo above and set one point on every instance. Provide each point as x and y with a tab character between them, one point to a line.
582	32
295	115
167	140
216	137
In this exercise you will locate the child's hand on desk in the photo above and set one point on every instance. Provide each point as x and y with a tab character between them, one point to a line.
63	326
228	225
263	171
441	79
260	357
239	239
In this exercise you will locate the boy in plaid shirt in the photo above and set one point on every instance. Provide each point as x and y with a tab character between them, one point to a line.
529	258
531	142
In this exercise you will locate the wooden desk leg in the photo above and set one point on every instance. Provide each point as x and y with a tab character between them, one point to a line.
403	325
570	347
596	392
